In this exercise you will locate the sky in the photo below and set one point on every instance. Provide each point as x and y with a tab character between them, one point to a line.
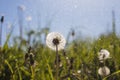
87	17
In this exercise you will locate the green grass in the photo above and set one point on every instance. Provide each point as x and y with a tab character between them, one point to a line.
82	52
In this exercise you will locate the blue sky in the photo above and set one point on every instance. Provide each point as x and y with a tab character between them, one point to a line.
89	17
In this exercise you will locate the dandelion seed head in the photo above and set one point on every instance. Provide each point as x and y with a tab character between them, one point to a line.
104	71
55	38
55	41
103	54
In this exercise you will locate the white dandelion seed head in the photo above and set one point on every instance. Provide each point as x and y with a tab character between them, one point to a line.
103	54
104	71
55	36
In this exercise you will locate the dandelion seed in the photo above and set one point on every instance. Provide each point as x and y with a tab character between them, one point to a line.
103	54
104	71
55	38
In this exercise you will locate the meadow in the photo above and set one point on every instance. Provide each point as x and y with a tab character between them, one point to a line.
31	59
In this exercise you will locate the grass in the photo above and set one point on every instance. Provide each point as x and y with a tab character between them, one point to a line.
79	55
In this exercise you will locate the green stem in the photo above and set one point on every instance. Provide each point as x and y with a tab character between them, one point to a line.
104	71
57	66
32	70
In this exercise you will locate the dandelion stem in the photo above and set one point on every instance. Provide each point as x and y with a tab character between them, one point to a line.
57	67
104	70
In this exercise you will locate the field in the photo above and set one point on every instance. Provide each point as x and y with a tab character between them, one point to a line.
79	59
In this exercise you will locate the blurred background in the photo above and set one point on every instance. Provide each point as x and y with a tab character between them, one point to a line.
89	18
89	26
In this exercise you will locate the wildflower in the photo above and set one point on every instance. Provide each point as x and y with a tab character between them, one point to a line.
104	71
55	39
103	54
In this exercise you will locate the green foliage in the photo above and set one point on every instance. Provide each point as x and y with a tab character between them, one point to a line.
80	55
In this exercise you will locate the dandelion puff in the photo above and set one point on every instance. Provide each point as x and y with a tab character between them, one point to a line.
56	41
55	38
103	54
104	71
